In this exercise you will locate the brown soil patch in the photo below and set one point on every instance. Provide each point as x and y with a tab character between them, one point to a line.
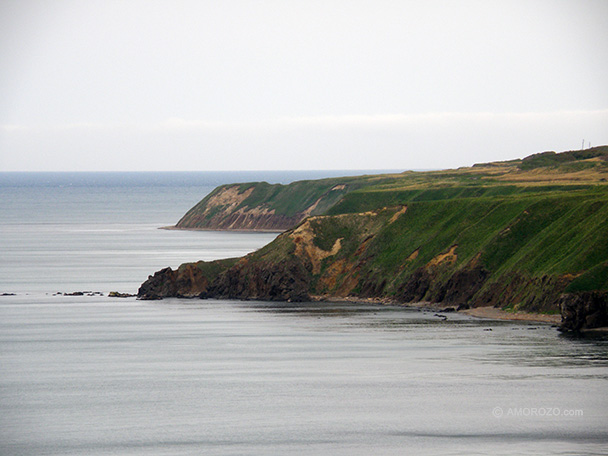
449	257
311	208
413	255
230	197
332	273
397	214
303	237
571	276
341	269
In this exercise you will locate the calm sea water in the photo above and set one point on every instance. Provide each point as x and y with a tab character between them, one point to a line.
83	375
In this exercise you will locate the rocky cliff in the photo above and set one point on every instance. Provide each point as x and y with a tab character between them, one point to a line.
584	311
520	237
261	206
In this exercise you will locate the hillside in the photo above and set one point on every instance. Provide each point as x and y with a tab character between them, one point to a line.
525	235
262	206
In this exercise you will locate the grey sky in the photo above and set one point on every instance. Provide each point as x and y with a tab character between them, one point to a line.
178	85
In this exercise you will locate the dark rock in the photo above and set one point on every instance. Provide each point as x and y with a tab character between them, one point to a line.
463	285
190	282
79	293
372	287
584	310
416	286
160	285
458	289
287	280
116	294
535	294
187	281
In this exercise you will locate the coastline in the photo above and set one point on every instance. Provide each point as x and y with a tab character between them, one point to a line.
242	230
499	314
489	313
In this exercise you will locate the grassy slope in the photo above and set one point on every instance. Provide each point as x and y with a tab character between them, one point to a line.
534	237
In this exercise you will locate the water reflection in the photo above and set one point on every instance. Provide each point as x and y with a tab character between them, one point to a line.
276	378
491	342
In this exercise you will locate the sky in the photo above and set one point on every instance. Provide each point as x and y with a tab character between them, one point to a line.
130	85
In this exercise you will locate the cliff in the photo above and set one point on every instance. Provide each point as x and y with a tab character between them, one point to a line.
528	235
262	206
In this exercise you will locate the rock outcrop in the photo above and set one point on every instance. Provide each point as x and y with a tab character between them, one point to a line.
584	311
188	281
286	280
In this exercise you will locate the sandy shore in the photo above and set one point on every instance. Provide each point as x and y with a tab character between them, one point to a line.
478	312
498	314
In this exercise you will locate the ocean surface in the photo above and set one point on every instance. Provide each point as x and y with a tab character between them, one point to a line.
93	375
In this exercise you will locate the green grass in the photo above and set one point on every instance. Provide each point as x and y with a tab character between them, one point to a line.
549	159
595	278
211	269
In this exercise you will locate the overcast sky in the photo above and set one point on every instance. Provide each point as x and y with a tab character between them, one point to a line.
289	84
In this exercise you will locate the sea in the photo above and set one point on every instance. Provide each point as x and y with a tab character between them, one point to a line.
96	375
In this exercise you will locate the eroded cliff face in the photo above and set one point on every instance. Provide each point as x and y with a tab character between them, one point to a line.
260	206
285	280
224	210
242	219
458	290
